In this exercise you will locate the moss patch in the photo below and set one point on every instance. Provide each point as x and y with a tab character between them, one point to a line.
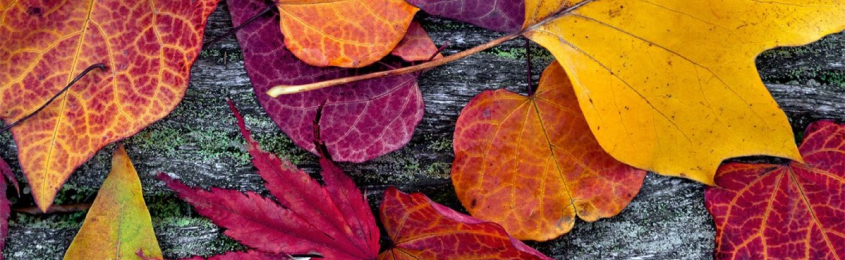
222	56
538	54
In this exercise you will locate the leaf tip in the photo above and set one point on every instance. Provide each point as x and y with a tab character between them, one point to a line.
44	201
279	90
6	171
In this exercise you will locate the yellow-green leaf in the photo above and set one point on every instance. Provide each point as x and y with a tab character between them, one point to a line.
671	86
118	224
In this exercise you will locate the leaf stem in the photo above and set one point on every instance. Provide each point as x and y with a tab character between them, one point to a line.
287	89
85	72
293	89
319	144
54	209
439	50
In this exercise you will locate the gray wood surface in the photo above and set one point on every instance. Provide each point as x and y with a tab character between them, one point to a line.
198	142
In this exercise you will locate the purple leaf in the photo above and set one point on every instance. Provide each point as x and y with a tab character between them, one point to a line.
5	173
360	121
500	15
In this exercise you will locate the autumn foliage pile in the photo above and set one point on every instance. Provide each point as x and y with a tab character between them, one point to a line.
663	86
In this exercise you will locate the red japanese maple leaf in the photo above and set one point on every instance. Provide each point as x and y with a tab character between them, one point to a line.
334	221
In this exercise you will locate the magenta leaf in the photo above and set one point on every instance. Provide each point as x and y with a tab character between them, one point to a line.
499	15
334	222
5	173
788	210
360	121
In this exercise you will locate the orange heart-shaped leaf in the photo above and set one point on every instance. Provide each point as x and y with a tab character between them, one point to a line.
343	33
531	163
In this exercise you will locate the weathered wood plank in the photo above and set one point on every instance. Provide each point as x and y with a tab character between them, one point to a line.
199	143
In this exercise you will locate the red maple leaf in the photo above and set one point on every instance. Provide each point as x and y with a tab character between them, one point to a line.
5	173
334	221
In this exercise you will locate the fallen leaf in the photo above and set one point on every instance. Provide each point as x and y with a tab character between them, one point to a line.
784	211
416	46
499	15
6	171
671	86
360	121
148	49
118	224
333	221
531	163
5	174
343	33
423	229
4	215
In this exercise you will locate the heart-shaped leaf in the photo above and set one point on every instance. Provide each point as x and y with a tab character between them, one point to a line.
360	121
784	211
531	163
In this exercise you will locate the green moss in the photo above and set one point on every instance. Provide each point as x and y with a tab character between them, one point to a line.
442	145
162	140
804	74
509	53
225	244
808	69
215	144
411	166
826	45
438	170
182	221
835	78
169	207
538	53
194	227
71	193
52	221
222	56
282	146
210	145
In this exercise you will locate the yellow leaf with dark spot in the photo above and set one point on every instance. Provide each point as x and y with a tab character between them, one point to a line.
671	86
